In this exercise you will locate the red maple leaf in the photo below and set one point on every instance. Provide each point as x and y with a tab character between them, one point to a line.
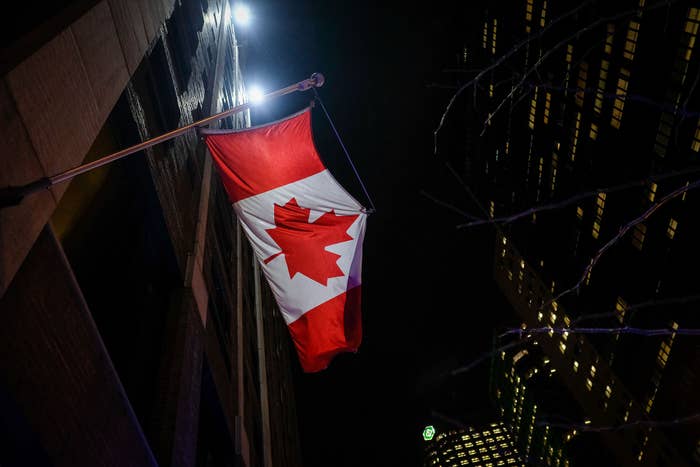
304	243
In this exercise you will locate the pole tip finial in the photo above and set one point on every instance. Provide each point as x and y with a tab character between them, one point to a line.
318	79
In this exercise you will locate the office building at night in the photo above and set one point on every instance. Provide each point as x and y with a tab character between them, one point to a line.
595	115
488	447
135	327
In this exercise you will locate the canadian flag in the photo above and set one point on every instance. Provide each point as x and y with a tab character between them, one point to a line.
305	229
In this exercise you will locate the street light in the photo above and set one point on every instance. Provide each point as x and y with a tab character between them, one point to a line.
256	95
241	14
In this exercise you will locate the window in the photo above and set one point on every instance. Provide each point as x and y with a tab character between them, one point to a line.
608	391
620	95
533	110
664	352
528	14
574	140
691	29
631	41
589	384
671	229
620	308
581	83
547	105
695	145
562	347
638	235
593	134
600	92
651	191
579	213
609	38
544	13
485	38
493	36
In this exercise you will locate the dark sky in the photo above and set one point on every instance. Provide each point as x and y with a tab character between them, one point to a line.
427	289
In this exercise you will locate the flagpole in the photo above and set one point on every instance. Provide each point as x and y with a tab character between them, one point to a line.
13	195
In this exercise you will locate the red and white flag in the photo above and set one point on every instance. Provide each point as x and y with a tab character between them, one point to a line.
306	231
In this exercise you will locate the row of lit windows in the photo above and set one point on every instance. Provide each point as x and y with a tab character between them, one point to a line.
485	37
631	41
600	207
529	14
620	95
533	110
574	139
598	104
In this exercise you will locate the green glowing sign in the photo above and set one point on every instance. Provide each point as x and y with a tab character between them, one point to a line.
428	432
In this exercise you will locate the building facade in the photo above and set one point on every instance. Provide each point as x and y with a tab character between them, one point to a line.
588	131
488	447
136	329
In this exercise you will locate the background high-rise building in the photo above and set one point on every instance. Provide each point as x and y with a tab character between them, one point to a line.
135	328
594	112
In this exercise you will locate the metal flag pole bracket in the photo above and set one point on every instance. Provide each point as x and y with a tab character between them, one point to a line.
13	195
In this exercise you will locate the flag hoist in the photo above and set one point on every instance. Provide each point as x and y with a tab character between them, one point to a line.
306	230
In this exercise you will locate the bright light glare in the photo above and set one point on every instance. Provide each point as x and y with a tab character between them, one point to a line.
241	14
256	95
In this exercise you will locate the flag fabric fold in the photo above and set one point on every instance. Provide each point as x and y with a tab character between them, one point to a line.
305	229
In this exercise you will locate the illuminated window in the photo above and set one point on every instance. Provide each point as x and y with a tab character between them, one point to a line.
528	11
579	213
638	235
574	140
664	352
620	308
533	110
593	370
600	92
485	38
491	208
581	83
608	391
589	384
493	37
562	347
671	230
575	366
593	134
547	104
620	95
569	53
695	146
651	191
600	207
544	13
491	90
609	38
555	167
650	402
600	204
631	41
691	28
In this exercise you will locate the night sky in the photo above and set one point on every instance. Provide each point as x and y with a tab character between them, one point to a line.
429	302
